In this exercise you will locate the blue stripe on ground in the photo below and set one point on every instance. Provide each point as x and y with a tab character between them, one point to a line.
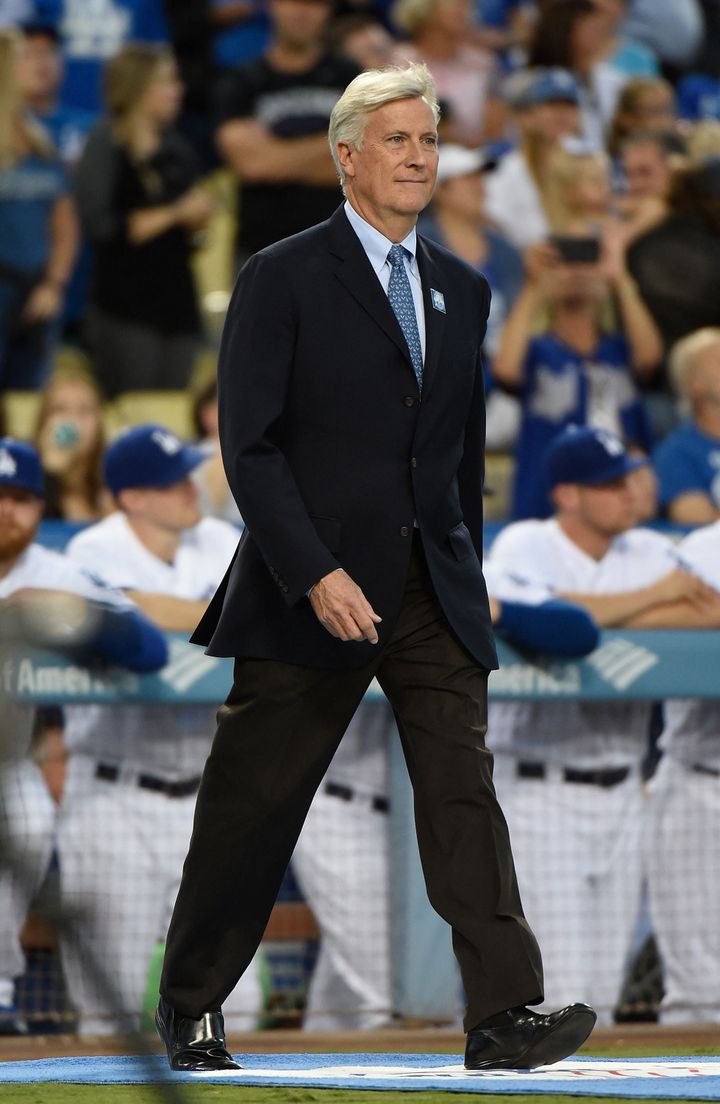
688	1078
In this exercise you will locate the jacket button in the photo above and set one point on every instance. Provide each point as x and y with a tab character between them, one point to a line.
285	588
409	400
413	462
404	531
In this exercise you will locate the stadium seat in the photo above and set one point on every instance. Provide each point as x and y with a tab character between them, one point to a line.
20	409
169	408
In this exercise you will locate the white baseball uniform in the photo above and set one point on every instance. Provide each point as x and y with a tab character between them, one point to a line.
27	811
575	804
127	811
683	832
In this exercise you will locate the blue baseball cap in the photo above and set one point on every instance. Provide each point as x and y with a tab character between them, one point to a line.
548	86
20	466
148	456
589	456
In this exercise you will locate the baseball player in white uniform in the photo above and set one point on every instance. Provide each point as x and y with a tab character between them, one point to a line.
134	770
683	867
575	802
38	581
341	859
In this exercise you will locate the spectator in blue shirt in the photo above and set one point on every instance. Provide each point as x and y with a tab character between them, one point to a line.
41	74
38	233
579	366
687	462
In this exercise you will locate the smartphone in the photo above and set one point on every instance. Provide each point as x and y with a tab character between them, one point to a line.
576	250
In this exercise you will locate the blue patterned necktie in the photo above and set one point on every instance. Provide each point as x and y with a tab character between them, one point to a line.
401	301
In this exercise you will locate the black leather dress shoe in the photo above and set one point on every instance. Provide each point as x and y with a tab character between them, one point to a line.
528	1039
193	1044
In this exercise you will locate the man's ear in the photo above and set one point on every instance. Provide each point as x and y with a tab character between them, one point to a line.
345	154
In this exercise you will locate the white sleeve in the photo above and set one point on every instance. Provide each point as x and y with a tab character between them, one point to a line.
100	562
77	579
510	586
519	550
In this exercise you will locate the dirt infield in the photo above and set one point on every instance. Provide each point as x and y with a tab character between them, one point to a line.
651	1038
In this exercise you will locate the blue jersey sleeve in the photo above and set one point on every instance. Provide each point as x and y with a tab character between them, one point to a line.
127	638
555	626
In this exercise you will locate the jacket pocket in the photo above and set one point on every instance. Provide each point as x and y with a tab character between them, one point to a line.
461	541
329	530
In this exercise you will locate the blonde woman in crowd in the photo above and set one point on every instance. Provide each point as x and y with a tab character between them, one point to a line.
141	209
38	233
70	438
576	190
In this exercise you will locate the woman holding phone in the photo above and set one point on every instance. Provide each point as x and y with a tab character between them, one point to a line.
576	343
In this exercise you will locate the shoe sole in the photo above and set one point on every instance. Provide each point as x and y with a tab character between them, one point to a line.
559	1042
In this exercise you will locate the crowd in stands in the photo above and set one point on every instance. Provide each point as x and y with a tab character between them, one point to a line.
579	171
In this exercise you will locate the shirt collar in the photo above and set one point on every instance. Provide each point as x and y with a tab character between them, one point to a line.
375	244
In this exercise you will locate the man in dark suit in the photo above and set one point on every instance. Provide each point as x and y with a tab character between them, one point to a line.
352	428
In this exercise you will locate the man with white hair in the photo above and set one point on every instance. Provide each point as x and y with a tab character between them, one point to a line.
687	462
352	428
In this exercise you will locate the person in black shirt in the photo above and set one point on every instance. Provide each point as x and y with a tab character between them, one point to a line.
137	193
273	115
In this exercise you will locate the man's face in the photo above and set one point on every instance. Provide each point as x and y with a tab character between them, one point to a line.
553	120
394	172
172	508
40	68
299	24
647	170
20	514
608	509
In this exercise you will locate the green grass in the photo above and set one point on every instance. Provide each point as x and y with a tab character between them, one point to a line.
213	1094
237	1094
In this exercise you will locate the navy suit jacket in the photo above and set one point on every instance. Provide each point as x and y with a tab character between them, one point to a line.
332	454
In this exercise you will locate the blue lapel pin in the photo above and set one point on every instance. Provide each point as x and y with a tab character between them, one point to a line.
438	300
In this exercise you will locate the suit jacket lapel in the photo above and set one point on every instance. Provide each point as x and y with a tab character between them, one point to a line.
356	274
432	280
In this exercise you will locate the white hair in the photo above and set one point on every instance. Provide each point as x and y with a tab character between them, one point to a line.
371	90
684	353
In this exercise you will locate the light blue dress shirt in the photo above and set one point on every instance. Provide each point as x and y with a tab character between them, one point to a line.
377	247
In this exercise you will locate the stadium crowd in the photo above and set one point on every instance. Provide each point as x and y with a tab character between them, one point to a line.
146	151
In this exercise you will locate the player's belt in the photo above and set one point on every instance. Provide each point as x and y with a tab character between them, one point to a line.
109	772
604	778
347	793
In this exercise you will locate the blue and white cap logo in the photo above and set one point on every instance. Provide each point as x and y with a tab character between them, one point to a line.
168	442
8	464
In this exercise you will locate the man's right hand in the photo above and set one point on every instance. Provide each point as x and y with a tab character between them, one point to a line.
343	609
